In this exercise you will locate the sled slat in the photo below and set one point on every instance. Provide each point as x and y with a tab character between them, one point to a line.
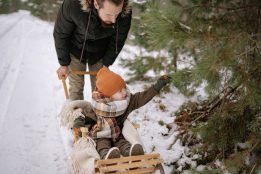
127	159
138	171
136	125
129	165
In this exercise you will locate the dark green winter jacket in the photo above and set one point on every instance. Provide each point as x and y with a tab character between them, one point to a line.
101	43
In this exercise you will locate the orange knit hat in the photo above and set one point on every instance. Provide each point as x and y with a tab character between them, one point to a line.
108	82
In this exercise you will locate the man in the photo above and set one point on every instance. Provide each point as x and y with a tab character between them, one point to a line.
89	32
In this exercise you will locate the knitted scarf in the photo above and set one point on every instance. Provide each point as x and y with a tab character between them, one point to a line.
107	110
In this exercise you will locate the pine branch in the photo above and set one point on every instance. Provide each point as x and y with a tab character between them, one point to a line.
188	118
208	6
252	170
216	102
254	146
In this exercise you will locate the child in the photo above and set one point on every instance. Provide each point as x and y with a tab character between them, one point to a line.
112	103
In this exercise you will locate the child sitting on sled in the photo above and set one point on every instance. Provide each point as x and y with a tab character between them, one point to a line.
112	102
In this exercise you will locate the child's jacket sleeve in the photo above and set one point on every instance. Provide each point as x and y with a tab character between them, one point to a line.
137	100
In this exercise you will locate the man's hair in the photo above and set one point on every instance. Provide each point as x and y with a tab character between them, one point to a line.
116	2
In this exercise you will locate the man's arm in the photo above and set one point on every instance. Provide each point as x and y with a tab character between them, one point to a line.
120	37
63	29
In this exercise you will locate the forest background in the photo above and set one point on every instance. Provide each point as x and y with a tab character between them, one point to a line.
220	42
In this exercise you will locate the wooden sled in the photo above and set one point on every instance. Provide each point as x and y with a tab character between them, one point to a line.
147	164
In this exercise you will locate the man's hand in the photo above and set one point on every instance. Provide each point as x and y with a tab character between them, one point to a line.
63	71
162	81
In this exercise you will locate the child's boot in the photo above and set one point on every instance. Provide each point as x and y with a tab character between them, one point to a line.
136	149
113	152
132	150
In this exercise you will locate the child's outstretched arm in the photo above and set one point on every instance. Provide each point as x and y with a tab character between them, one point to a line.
141	98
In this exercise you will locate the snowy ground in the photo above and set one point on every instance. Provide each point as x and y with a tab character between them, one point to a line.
31	139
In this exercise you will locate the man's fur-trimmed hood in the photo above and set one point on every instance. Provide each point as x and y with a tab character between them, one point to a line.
87	3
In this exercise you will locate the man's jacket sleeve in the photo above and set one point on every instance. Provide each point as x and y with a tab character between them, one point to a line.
123	27
63	29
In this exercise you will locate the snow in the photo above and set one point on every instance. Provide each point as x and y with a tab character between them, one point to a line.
29	130
139	1
31	138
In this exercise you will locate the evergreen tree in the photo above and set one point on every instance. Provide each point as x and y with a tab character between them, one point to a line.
45	9
8	6
224	39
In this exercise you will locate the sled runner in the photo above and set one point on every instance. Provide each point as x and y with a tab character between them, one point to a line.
147	164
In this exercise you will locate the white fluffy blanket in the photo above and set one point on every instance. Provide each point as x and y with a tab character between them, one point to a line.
83	156
72	110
